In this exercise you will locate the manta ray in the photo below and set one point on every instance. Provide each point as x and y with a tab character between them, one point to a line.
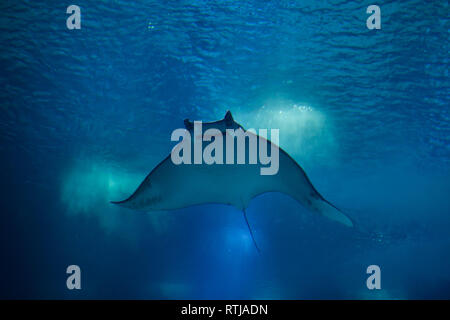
172	186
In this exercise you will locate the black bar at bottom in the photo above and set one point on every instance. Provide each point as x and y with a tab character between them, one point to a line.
213	309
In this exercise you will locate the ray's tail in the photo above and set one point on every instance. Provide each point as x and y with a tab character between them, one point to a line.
251	232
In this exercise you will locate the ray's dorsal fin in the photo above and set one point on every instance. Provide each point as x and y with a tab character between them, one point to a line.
228	118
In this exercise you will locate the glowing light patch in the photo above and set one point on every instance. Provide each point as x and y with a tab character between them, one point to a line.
306	133
238	239
89	185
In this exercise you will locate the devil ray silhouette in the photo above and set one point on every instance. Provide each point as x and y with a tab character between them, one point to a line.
169	186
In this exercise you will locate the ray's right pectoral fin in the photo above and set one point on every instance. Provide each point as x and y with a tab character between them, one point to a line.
331	212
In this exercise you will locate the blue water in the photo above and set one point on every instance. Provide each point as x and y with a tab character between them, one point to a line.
86	114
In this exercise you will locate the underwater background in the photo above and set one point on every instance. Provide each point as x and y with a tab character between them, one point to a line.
86	114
